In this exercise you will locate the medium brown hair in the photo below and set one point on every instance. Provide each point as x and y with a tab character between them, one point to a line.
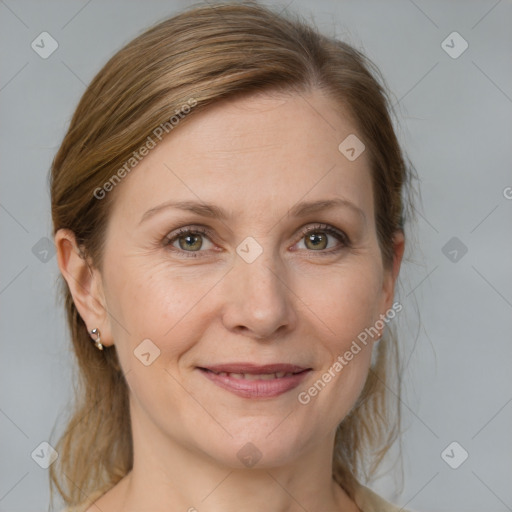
210	53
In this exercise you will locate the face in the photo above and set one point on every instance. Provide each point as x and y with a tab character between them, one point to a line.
269	282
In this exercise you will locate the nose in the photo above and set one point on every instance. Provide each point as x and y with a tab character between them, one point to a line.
258	299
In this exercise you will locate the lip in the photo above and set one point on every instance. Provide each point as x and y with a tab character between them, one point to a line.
255	369
257	388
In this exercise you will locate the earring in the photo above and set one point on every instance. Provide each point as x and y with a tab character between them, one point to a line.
97	341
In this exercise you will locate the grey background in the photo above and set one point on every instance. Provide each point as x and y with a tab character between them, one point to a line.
456	126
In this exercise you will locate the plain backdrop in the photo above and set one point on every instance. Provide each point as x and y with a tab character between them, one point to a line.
455	122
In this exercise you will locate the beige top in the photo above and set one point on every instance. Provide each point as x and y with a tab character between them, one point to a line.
365	498
369	501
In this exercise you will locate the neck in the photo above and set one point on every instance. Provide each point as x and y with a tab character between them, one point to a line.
168	476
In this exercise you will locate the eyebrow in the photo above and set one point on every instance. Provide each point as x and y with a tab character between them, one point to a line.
215	212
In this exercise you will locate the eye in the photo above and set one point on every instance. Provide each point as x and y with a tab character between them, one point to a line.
189	240
316	238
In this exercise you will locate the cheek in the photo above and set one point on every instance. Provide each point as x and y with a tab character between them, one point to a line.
157	321
156	302
343	304
343	301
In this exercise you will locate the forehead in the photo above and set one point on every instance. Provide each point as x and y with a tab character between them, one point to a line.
252	155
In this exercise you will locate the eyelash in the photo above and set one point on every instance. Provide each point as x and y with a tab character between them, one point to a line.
199	230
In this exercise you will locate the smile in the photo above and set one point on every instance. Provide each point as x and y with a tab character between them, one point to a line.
257	383
252	376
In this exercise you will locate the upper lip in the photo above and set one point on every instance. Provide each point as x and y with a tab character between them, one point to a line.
254	368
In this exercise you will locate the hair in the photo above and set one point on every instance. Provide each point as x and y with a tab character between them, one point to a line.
208	53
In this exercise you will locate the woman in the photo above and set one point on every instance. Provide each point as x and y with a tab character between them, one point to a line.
228	217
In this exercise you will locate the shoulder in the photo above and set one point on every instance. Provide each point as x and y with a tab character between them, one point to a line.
369	501
86	505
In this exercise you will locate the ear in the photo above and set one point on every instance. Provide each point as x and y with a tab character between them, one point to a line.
85	284
391	273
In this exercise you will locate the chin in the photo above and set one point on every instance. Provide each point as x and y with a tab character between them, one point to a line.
259	446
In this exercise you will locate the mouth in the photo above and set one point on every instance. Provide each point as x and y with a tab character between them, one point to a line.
256	381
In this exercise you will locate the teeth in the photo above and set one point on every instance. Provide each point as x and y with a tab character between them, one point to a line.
263	376
251	376
248	376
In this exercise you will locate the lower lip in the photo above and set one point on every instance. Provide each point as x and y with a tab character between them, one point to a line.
256	388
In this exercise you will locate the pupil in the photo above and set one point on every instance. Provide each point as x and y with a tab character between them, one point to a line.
317	239
189	245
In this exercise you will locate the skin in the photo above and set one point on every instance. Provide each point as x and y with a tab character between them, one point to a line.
257	158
